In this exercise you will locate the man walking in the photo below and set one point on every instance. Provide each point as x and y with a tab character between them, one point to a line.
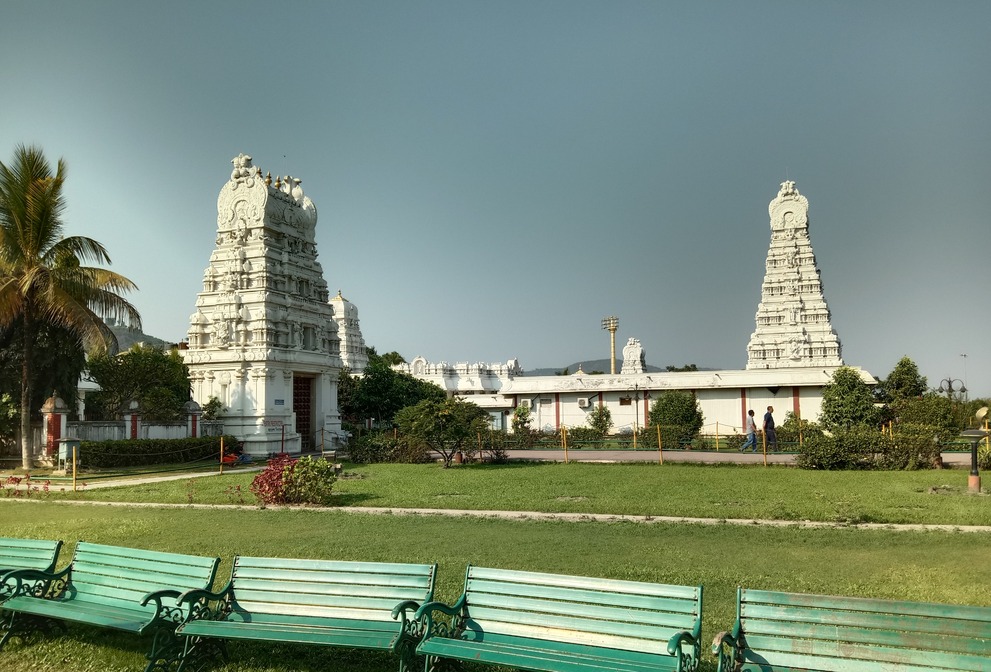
751	441
770	437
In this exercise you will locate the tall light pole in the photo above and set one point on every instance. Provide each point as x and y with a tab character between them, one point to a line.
611	323
964	372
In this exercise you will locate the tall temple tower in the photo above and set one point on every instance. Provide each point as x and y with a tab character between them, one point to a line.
793	328
354	355
263	339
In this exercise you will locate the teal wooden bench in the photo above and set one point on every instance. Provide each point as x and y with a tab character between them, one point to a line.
557	623
360	605
120	588
39	554
784	632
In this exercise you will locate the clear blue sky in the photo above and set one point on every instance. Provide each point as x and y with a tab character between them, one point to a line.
493	178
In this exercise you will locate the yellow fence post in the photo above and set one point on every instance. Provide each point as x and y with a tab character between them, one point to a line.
717	435
763	436
75	450
660	451
564	442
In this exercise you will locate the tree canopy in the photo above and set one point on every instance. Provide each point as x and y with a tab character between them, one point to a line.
677	408
903	382
847	401
42	276
445	427
381	391
157	380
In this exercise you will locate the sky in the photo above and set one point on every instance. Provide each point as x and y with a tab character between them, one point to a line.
494	178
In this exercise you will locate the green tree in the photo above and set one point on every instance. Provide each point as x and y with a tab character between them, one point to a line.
678	409
687	367
522	423
847	401
58	362
903	382
600	420
42	276
381	391
157	380
931	409
445	427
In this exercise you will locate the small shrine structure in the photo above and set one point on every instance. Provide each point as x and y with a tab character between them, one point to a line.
793	321
264	339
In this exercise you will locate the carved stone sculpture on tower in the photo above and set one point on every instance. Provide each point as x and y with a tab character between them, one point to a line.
793	321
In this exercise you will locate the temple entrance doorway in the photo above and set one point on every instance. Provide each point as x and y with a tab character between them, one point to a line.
302	406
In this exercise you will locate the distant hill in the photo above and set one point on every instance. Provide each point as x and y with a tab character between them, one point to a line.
128	337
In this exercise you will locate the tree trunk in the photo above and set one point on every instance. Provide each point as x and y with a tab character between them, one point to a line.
27	447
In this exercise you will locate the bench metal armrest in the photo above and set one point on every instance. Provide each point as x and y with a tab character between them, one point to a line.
33	583
424	617
163	612
205	605
725	646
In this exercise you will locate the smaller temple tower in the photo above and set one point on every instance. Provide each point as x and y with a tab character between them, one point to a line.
793	321
353	354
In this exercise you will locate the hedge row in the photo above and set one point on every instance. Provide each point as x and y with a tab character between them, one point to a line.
143	452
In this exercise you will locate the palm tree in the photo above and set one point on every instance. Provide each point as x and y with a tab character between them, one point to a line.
42	279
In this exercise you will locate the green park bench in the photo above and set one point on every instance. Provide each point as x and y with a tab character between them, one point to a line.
37	554
557	623
360	605
782	632
113	587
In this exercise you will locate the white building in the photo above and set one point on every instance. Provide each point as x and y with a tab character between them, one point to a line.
792	355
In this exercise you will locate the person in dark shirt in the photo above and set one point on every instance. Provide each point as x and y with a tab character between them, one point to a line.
770	437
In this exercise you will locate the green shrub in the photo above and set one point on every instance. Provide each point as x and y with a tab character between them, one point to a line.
287	480
914	446
583	437
309	481
379	447
144	452
853	448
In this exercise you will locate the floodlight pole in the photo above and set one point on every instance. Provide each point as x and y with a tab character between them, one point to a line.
611	323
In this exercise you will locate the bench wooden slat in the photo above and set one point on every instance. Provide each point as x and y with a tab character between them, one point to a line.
28	554
598	597
559	623
657	618
312	585
867	605
325	602
828	633
964	640
870	654
584	582
513	655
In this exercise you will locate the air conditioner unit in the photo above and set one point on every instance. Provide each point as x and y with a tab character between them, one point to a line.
583	402
526	403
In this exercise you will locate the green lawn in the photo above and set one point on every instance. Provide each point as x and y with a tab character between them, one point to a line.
717	491
927	566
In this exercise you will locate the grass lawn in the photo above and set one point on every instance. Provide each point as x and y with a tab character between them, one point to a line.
926	566
716	491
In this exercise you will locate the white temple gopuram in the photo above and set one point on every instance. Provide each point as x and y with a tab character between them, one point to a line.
266	337
793	327
792	356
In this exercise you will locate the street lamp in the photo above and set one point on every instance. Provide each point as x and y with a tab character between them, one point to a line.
948	386
975	436
611	323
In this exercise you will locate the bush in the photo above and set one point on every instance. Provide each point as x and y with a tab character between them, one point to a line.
287	480
381	447
914	446
144	452
853	448
581	437
788	431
